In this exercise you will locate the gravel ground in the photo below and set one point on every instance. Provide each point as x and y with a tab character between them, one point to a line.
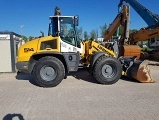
79	97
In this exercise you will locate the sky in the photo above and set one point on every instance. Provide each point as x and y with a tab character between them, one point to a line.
33	15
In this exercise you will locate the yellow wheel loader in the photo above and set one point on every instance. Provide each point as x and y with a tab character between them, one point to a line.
50	58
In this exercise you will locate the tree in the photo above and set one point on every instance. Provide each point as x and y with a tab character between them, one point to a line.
93	35
25	38
118	32
31	38
86	36
133	30
80	32
103	30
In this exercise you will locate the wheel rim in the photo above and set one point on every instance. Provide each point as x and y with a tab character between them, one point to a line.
48	73
108	71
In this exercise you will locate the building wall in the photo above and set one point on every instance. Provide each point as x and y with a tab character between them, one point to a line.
5	54
9	44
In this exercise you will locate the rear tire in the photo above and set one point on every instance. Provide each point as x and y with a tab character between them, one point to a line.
107	70
48	72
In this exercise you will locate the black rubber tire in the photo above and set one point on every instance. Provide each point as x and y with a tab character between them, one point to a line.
52	63
115	68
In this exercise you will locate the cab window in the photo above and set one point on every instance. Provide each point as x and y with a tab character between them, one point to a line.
67	31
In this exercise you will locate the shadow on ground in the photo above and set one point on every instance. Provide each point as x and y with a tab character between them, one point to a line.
82	74
13	117
25	76
124	78
154	64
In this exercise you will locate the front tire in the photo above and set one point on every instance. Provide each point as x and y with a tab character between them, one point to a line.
48	72
107	70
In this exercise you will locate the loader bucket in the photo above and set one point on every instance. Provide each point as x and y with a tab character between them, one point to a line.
141	72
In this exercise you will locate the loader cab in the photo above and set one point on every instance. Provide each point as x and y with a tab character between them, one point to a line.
65	27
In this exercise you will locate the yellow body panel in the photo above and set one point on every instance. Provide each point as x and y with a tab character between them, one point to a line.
89	47
32	47
49	49
26	50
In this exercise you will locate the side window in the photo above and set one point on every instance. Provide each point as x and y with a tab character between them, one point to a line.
67	33
48	44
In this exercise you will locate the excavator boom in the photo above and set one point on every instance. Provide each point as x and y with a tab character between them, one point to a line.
143	34
121	19
149	33
149	17
113	28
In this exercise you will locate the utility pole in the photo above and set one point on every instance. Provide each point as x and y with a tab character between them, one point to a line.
21	29
97	34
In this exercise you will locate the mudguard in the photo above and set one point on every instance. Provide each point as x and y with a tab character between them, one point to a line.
94	57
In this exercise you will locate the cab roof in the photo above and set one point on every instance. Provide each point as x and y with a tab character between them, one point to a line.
61	16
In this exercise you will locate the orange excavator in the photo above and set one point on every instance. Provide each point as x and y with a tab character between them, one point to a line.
122	20
150	33
130	53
